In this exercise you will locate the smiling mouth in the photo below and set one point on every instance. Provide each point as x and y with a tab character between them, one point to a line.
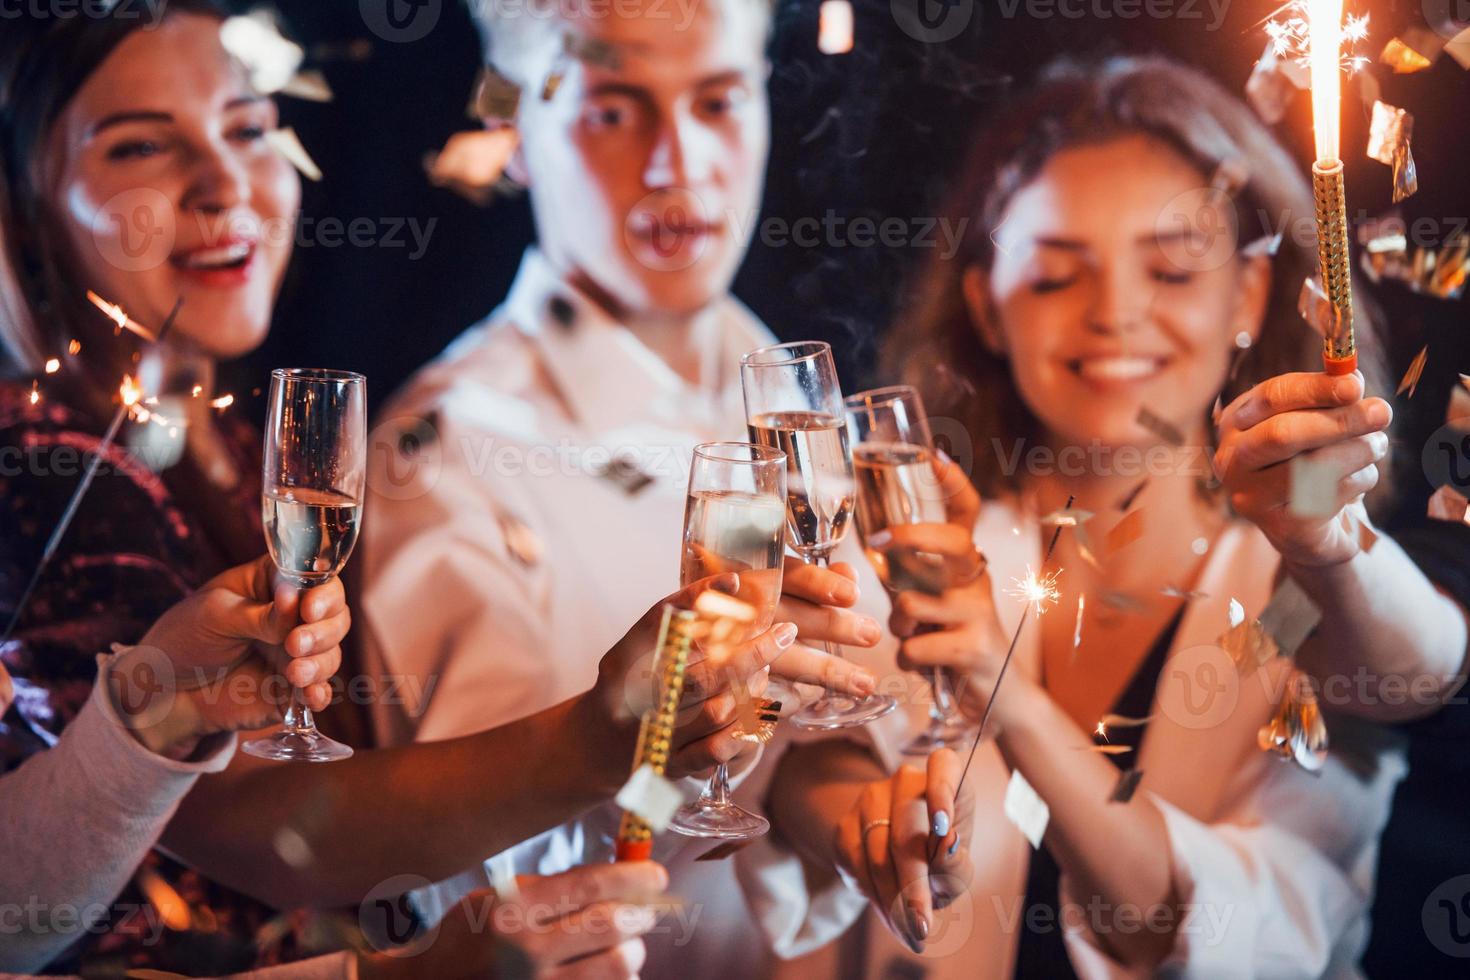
225	258
1117	369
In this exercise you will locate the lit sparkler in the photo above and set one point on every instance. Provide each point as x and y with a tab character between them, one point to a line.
116	314
1040	592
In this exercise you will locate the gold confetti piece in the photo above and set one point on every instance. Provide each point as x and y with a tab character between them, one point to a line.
53	365
1313	488
553	82
1316	308
222	402
1390	127
1248	646
1128	781
496	97
1067	517
1403	59
1459	48
1107	749
1123	721
1411	377
1297	733
1289	617
834	27
594	51
1024	808
473	162
1077	630
1459	406
1405	174
35	395
725	849
173	911
1448	504
116	315
255	41
74	348
1273	83
1175	592
288	144
310	86
1162	428
1125	532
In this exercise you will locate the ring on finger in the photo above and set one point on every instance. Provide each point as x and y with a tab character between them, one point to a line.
873	824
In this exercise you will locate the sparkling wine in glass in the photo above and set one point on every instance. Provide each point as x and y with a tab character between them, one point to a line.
793	404
314	475
734	521
893	457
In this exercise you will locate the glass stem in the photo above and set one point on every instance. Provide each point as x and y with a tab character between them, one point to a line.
943	703
298	715
824	560
717	791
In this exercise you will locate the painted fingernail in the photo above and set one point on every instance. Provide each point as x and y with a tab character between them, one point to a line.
785	635
918	929
869	631
955	846
941	824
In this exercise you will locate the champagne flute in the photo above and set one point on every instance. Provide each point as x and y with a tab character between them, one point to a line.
314	474
734	521
893	456
793	404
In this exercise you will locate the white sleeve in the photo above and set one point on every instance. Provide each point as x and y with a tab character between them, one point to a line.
446	606
80	816
1282	888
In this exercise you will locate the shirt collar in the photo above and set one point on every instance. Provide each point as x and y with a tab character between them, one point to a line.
606	375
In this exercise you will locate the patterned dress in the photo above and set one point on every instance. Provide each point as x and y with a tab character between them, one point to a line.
135	548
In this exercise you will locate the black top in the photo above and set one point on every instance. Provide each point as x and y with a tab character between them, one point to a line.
1042	952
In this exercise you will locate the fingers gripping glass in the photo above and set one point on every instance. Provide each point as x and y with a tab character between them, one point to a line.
793	404
893	457
734	521
313	477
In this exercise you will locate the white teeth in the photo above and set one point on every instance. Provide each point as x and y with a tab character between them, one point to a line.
209	258
1118	368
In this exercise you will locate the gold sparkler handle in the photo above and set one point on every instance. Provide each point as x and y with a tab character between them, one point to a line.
1339	353
676	635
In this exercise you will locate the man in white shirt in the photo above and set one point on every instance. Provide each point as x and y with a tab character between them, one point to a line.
529	485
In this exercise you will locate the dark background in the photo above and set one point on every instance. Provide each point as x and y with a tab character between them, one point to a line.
875	132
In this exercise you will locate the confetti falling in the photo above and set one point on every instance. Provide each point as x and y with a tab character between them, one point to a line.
116	315
1313	490
255	40
53	365
1297	733
1410	380
35	395
1025	808
285	142
834	27
222	402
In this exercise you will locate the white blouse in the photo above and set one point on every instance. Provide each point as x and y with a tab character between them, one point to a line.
1276	880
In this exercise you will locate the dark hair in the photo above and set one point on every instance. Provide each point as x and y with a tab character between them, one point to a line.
936	347
45	58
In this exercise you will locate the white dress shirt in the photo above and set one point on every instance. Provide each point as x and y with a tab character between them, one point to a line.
505	551
1278	878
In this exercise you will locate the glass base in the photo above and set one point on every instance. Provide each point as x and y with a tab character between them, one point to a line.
952	733
297	746
835	711
706	818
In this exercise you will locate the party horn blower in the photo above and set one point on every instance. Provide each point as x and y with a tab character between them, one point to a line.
676	635
1339	353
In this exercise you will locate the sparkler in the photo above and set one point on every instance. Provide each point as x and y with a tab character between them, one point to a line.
1032	586
1325	36
130	395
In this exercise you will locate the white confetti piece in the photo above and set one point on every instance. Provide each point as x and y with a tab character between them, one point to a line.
834	27
1237	613
651	797
1313	488
1290	616
1025	809
288	144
